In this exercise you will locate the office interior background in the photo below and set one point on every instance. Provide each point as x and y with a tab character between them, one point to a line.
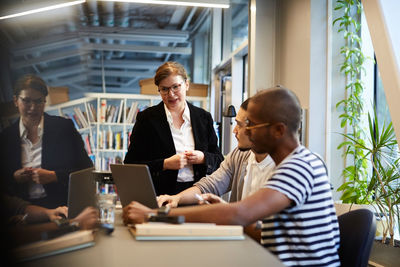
236	48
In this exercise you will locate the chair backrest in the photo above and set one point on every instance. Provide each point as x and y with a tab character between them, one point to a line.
357	233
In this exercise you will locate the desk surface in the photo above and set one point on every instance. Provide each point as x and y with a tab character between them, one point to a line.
121	249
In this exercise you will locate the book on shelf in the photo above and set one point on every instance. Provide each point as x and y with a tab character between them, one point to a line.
68	242
131	114
186	231
115	115
103	163
103	110
110	113
88	144
118	141
71	117
91	112
109	139
81	117
120	111
127	141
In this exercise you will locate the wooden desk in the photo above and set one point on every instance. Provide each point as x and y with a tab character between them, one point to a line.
121	249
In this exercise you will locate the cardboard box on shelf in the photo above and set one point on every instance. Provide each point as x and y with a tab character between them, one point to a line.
147	87
57	95
198	89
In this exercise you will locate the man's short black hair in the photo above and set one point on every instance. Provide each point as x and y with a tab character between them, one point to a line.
279	104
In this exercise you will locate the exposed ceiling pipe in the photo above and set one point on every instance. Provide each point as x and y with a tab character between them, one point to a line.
184	27
122	21
200	21
83	21
94	21
108	21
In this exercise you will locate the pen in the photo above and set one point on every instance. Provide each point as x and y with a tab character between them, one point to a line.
199	197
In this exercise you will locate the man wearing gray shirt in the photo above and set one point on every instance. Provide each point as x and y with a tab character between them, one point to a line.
242	172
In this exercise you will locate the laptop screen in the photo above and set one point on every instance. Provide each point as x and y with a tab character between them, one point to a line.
134	183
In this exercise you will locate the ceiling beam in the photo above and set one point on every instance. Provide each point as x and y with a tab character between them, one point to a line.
126	90
77	87
124	74
128	64
65	81
108	33
140	48
129	34
48	58
61	72
131	82
239	17
46	44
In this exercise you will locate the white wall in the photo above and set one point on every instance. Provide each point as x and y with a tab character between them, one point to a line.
293	47
261	45
307	61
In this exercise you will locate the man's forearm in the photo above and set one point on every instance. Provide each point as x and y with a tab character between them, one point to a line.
188	196
29	233
224	214
36	214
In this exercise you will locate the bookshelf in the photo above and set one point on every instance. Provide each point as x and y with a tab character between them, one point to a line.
105	122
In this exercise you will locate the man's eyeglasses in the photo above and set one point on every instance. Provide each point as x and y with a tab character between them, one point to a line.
28	101
249	126
174	88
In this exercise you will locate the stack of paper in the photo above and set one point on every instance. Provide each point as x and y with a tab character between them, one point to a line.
186	231
69	242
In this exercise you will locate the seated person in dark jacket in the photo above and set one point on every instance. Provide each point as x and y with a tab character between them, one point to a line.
17	211
24	223
39	151
174	138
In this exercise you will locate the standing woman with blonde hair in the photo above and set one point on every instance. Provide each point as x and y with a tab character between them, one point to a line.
174	138
39	151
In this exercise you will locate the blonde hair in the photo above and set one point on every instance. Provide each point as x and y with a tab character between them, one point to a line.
167	69
30	81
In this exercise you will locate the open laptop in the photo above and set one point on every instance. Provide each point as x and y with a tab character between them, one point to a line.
134	183
81	191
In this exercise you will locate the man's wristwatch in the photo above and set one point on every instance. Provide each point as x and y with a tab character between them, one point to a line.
163	210
61	223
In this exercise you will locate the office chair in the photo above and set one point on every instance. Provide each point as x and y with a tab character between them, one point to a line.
357	233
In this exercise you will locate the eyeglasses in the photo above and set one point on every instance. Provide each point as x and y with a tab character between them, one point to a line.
249	127
28	102
240	124
174	88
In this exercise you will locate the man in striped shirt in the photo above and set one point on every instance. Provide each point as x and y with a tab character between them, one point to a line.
299	220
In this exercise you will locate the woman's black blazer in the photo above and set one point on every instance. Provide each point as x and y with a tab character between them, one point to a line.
151	142
62	151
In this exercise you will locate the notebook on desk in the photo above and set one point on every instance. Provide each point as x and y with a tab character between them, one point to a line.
186	231
66	243
81	191
134	183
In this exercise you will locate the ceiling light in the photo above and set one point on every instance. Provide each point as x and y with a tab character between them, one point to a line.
198	3
42	9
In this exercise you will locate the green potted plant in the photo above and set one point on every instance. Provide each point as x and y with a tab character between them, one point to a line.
381	189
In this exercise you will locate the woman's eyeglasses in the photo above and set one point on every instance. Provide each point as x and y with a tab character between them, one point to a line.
28	101
174	88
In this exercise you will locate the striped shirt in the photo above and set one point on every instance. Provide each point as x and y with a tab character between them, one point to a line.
306	233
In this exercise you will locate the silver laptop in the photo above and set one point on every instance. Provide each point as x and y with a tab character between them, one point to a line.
134	183
81	191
